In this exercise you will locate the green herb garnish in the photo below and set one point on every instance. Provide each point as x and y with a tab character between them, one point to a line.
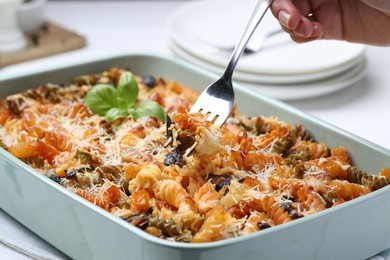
113	103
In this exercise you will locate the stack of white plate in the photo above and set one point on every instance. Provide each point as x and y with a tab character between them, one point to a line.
201	32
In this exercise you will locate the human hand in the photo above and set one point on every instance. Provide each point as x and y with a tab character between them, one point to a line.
362	21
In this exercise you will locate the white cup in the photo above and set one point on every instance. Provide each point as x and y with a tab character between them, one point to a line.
11	36
31	15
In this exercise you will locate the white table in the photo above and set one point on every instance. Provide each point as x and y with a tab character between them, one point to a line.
141	26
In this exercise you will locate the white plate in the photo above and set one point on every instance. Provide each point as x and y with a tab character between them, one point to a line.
266	78
293	91
221	22
312	89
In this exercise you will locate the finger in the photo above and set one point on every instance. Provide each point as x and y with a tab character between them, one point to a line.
317	34
305	28
294	23
286	13
303	40
318	30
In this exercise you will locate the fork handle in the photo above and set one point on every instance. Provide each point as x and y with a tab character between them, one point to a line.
257	15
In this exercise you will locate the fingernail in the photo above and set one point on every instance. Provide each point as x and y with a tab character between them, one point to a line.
303	31
317	32
299	31
284	18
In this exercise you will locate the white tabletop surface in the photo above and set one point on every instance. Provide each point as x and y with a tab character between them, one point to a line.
141	26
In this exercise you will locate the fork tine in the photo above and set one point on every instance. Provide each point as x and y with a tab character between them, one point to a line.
217	118
219	112
196	108
212	116
220	120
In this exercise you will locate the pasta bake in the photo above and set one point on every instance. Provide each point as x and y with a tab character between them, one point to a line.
181	179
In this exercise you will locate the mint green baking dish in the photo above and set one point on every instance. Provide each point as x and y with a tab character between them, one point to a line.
354	230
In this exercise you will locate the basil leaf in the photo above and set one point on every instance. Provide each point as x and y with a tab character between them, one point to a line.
115	113
113	103
148	108
101	98
127	90
123	103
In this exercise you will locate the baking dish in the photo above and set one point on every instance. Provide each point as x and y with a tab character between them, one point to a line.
353	230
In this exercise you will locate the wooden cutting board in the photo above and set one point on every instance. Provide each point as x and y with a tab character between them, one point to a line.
49	40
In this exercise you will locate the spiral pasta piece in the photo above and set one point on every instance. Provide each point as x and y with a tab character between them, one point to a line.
215	225
173	193
347	190
25	146
109	196
276	213
146	178
207	198
140	201
251	225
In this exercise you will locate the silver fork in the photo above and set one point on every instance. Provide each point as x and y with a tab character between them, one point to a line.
253	46
217	100
257	43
